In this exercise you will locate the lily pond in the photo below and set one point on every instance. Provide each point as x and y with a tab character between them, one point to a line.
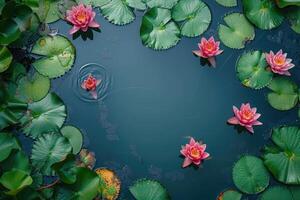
149	99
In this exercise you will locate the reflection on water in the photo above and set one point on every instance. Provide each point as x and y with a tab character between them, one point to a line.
98	72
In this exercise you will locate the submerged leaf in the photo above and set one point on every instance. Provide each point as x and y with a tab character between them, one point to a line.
195	15
284	3
5	58
252	70
237	32
7	143
250	175
158	31
57	56
293	15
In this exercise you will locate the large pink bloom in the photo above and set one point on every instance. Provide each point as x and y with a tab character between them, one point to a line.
82	17
246	117
194	152
90	84
279	63
208	49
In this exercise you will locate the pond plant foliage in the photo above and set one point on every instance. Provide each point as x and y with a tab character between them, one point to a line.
57	166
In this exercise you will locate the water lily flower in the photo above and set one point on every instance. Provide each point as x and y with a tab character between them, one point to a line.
208	49
90	84
279	63
246	117
82	17
194	152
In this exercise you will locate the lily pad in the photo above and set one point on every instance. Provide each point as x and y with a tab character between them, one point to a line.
237	32
66	169
145	189
277	193
161	3
284	3
15	72
120	12
252	70
17	160
5	58
57	56
230	195
284	163
284	95
158	31
33	88
74	136
15	181
263	13
227	3
195	16
7	143
250	175
44	116
49	149
110	185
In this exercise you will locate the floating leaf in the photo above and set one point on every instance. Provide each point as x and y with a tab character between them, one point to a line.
145	189
49	149
284	163
158	31
227	3
7	144
263	13
17	160
237	32
86	159
58	56
15	181
161	3
284	3
110	185
15	72
284	95
5	58
195	15
74	136
230	195
47	115
66	169
252	70
277	193
34	88
250	175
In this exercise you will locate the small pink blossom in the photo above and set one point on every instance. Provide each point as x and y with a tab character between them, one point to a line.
82	17
90	84
246	117
194	152
279	63
208	49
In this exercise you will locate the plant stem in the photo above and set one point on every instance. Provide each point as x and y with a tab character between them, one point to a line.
49	185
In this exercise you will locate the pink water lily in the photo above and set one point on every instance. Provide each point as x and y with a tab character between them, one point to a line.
208	49
246	117
82	17
90	84
279	63
194	152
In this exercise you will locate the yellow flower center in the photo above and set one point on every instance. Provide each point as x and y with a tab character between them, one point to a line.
195	153
247	114
279	60
81	16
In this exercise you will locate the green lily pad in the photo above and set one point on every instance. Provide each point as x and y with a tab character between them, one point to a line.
7	143
195	15
57	56
158	31
66	169
17	160
49	149
34	88
15	181
284	163
227	3
250	175
293	15
284	3
277	193
44	116
145	189
263	13
284	93
230	195
74	136
5	58
15	72
237	32
252	70
120	12
161	3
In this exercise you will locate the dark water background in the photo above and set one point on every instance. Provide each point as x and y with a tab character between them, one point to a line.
157	99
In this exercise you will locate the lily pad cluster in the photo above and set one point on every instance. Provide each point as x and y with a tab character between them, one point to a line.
251	175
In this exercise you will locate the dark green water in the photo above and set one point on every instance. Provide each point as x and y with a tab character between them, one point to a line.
157	99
